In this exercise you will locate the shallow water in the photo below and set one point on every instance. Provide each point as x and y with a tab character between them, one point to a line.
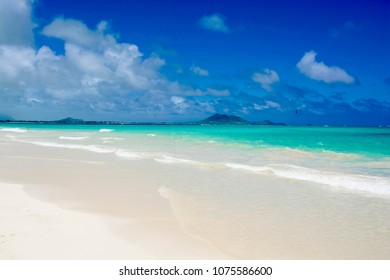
355	159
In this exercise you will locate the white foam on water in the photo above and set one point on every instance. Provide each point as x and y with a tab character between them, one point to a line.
112	138
105	130
73	137
13	137
169	159
286	152
164	192
151	135
129	155
14	129
247	167
357	182
91	148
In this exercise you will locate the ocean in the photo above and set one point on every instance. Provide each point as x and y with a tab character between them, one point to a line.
307	191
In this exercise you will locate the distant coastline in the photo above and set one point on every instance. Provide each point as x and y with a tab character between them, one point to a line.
216	119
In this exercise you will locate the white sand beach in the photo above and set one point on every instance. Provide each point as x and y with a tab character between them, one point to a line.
94	219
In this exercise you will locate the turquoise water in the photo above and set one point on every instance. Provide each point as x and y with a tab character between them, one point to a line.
370	141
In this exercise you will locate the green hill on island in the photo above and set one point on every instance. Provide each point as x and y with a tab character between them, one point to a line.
70	120
221	119
224	119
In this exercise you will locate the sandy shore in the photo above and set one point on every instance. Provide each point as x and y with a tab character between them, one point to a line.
71	203
64	204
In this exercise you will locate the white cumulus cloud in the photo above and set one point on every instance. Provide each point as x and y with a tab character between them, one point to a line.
93	75
94	72
214	22
76	32
179	102
319	71
199	71
216	92
266	79
93	63
268	105
16	23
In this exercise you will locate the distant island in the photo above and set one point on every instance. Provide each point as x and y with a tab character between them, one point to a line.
221	119
216	119
68	120
5	117
80	121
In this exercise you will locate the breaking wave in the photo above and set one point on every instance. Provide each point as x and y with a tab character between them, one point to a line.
14	129
73	138
371	184
91	148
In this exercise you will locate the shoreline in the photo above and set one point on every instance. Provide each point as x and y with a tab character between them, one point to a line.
143	209
38	224
116	124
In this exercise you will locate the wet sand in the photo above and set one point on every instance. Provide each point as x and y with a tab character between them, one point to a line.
59	203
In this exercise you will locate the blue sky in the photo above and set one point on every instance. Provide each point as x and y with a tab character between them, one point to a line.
298	62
